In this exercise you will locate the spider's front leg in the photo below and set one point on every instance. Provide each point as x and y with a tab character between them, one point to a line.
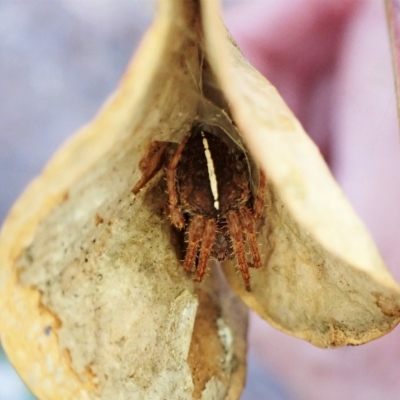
195	232
170	171
258	206
244	221
248	223
207	241
151	163
236	232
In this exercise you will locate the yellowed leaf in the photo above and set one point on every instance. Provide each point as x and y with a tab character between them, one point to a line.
323	279
94	300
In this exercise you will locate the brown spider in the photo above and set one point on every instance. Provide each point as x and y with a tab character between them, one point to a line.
210	197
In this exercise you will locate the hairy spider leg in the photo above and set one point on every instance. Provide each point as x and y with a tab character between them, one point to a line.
235	229
175	213
259	203
207	241
196	229
151	163
249	226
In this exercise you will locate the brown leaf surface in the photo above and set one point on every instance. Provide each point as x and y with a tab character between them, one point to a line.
323	279
94	301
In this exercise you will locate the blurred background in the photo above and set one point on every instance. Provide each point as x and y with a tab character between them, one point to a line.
60	59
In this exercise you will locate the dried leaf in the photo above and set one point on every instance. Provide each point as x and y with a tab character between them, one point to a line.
94	301
98	271
323	279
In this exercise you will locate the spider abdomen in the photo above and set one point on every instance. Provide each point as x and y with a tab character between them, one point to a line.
211	177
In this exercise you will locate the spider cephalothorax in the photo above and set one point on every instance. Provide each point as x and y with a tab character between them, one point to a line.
210	197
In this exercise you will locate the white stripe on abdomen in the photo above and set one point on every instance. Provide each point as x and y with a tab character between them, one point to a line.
211	171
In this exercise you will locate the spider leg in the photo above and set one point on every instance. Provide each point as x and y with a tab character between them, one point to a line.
196	229
207	241
249	226
175	214
151	163
235	230
259	203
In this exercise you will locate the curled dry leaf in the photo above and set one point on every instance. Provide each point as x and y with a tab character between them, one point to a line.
94	301
323	279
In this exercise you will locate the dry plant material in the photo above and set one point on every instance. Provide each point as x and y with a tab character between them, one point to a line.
94	300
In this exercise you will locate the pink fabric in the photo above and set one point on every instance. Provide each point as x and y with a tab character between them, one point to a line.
331	61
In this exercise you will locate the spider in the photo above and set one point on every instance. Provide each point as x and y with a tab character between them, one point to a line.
210	197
